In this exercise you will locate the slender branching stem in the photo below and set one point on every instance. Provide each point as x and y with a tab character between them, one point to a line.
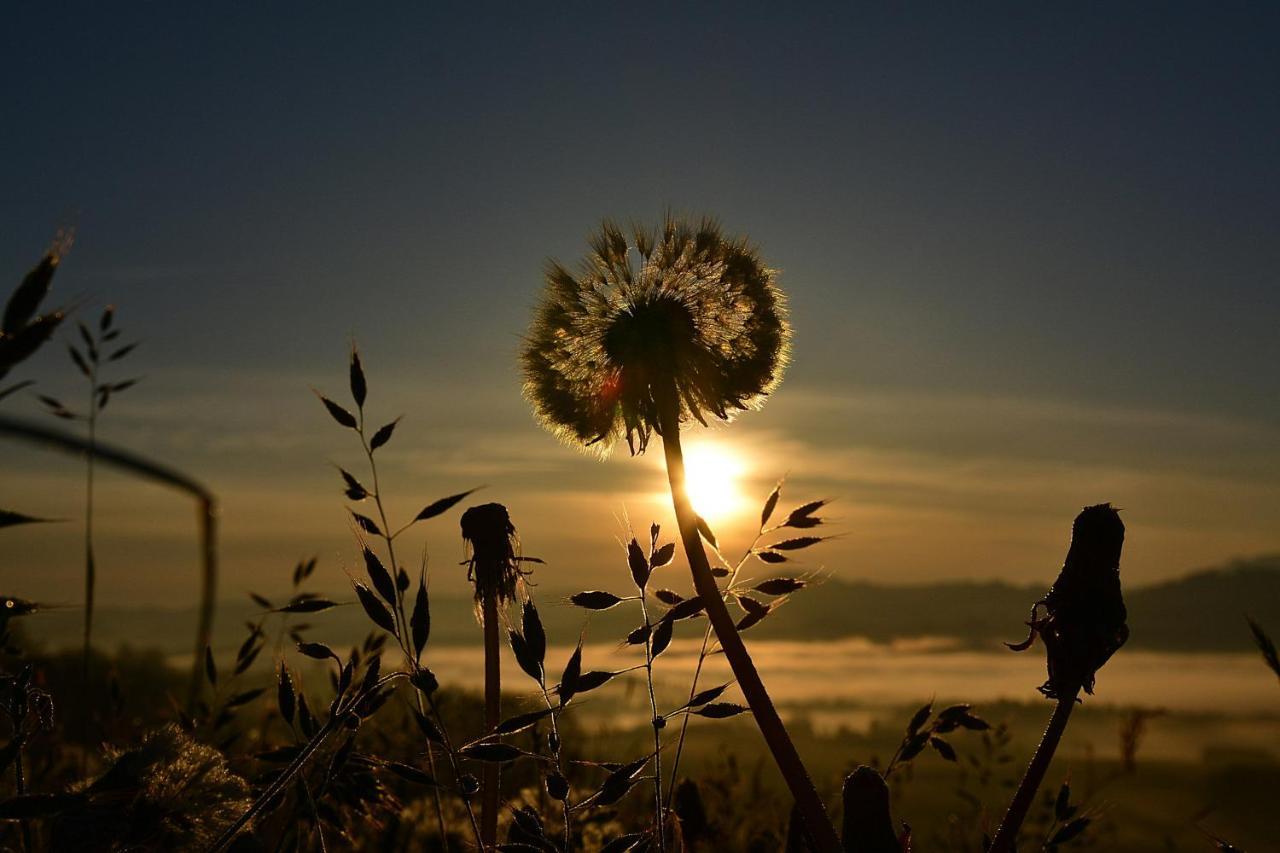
299	762
491	795
453	765
402	625
1007	835
697	673
818	825
555	733
656	722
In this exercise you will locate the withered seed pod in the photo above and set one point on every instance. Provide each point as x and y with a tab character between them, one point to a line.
1082	617
493	563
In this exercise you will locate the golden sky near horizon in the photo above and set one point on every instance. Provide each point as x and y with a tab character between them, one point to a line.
923	487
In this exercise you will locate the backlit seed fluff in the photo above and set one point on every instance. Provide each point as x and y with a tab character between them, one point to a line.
682	310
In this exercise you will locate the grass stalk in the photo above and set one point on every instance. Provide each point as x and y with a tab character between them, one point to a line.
657	722
299	763
398	611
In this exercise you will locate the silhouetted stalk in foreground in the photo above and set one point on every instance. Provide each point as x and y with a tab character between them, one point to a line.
388	538
300	761
207	513
656	722
491	801
817	823
1024	797
697	671
494	568
1082	623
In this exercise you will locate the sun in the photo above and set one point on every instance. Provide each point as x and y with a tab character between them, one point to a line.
713	475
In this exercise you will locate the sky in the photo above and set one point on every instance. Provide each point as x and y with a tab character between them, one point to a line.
1030	255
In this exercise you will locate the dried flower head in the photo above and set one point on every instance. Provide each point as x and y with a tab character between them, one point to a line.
169	793
1083	623
682	310
494	560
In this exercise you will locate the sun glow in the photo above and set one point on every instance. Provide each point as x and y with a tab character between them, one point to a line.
713	475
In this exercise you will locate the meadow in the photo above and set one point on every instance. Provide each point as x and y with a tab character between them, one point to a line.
630	716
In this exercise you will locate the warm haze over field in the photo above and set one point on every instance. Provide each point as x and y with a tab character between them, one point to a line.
1030	256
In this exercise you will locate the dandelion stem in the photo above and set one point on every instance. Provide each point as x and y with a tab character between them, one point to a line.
491	798
1007	835
697	673
820	829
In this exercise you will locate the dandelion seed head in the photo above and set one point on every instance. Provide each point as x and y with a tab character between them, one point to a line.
682	307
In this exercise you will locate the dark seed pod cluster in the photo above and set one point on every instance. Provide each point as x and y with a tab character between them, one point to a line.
683	309
1082	618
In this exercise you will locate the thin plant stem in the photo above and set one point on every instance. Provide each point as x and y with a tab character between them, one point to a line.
90	571
656	722
1007	835
555	732
299	762
491	796
818	825
20	782
453	765
402	623
697	672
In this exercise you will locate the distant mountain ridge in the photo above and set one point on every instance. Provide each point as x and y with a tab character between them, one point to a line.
1199	612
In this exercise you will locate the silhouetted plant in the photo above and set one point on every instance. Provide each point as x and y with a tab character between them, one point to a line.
22	330
1265	646
659	327
29	712
1082	626
778	589
494	569
98	350
357	697
168	793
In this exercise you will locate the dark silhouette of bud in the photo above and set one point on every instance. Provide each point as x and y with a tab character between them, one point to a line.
868	825
691	811
1083	619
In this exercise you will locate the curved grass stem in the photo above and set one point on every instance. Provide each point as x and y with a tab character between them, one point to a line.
1007	835
817	824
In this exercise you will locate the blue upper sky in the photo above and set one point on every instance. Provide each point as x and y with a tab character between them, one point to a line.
1074	209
